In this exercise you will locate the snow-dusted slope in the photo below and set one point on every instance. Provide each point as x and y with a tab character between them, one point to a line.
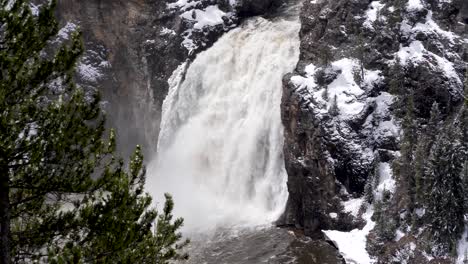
338	109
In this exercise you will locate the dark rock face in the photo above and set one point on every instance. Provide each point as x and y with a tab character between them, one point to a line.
463	11
140	60
258	7
134	46
311	182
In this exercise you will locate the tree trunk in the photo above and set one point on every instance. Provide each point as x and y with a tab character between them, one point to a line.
4	218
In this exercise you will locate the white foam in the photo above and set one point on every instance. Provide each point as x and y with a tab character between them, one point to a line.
220	150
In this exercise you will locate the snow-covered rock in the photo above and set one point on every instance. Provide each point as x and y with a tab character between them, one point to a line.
338	109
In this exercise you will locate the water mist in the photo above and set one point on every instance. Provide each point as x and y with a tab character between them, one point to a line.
221	140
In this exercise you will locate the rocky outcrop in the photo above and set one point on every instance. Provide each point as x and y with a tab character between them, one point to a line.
337	109
464	13
132	48
258	7
311	183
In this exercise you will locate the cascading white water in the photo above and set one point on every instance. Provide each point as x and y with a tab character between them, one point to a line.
221	139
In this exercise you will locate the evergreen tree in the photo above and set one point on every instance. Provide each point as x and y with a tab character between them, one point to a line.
397	86
432	128
369	191
464	115
404	165
115	223
385	227
464	177
419	162
372	181
325	54
334	110
325	95
445	204
425	142
397	15
360	54
61	187
464	139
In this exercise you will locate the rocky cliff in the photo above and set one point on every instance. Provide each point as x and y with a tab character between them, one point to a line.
341	120
128	58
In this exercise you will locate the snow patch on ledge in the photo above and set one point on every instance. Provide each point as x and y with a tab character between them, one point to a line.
88	72
210	16
372	13
414	5
348	93
352	206
65	32
430	27
200	16
183	4
417	53
346	89
352	244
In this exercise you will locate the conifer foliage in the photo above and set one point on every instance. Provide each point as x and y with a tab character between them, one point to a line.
431	200
64	195
445	200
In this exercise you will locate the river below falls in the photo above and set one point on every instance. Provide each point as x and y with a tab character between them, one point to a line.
261	245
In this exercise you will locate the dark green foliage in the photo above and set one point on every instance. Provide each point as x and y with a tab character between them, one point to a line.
419	176
360	54
439	183
464	115
385	226
465	90
369	191
464	139
396	16
445	200
61	187
334	109
431	173
44	133
464	178
325	94
372	181
424	145
325	54
403	167
358	74
115	225
397	86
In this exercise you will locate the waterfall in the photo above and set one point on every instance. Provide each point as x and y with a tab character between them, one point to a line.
220	151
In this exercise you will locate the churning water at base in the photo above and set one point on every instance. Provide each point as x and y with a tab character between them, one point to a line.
221	139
